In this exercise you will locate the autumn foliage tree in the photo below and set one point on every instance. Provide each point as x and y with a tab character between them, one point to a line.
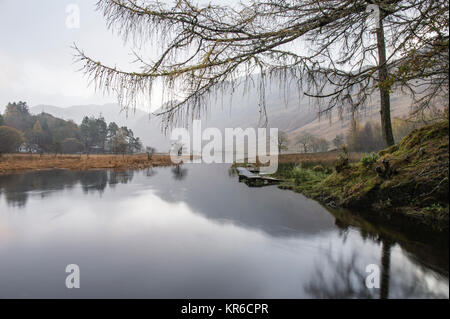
10	139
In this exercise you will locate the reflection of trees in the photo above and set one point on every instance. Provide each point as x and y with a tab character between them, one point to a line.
338	278
426	248
347	280
10	187
93	180
150	172
179	173
16	187
385	268
120	177
232	172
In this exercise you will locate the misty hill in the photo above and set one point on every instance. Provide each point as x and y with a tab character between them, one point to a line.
285	111
241	111
329	128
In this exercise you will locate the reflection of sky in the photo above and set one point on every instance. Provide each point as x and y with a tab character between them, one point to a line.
131	241
410	272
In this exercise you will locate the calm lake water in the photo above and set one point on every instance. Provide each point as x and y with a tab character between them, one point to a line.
195	232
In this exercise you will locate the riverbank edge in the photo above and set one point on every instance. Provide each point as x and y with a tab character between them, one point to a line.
398	215
417	190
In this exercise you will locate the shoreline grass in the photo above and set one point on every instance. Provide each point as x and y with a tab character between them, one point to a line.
326	159
415	187
12	163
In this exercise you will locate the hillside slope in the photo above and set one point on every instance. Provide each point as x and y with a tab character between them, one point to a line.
328	129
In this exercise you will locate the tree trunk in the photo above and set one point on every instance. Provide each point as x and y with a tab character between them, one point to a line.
386	269
385	109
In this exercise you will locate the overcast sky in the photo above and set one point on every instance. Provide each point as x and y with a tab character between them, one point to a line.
36	61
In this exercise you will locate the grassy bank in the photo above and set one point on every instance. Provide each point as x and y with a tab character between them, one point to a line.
408	180
10	163
326	159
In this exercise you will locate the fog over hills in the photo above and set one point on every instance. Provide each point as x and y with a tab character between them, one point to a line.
285	111
242	110
329	128
111	113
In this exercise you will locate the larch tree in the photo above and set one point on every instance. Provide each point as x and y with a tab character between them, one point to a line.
337	52
37	134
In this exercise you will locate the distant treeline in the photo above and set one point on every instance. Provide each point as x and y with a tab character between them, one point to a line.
368	137
44	133
358	138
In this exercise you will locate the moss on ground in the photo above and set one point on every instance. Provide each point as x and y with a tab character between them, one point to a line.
418	188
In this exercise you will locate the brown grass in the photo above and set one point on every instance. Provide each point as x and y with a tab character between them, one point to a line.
10	163
327	158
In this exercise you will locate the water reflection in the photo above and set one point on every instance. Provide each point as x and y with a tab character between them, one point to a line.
18	187
150	172
163	233
426	250
385	269
348	280
120	177
179	173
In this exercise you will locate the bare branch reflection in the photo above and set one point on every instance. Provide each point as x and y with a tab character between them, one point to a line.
345	278
179	173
